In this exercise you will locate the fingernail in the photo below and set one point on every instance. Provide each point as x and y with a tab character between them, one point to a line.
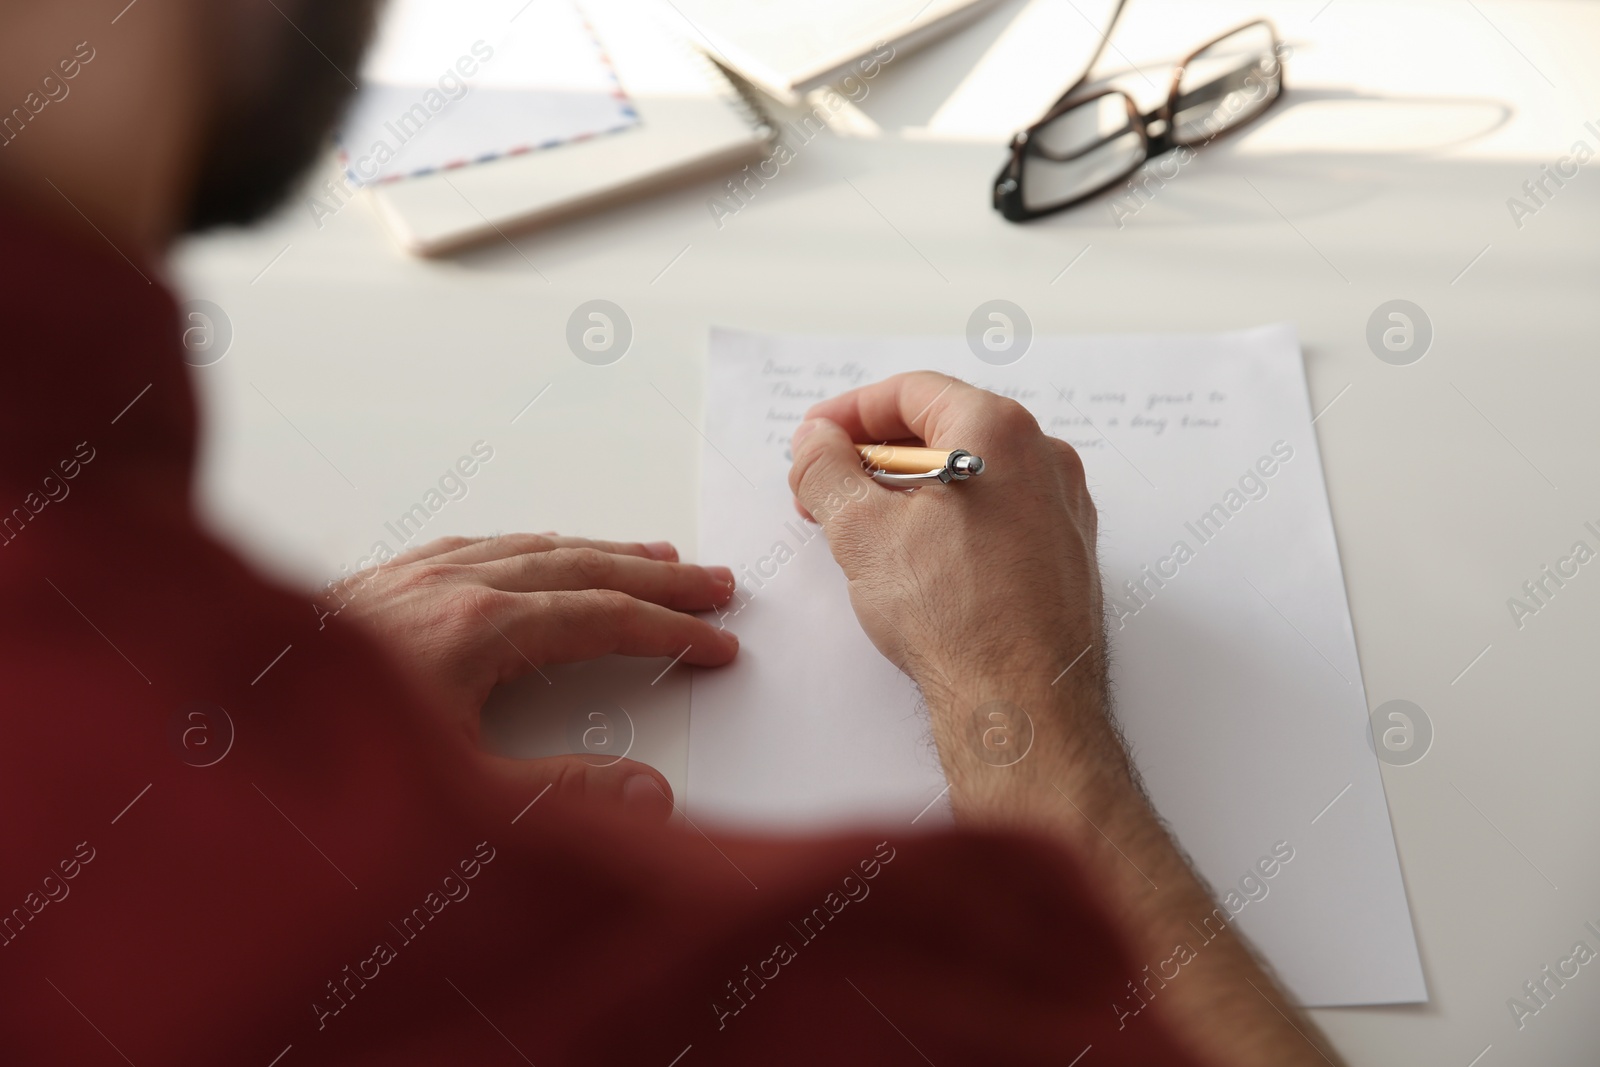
721	574
802	431
643	791
661	550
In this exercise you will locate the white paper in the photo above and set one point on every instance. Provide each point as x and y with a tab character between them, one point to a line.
450	82
1236	681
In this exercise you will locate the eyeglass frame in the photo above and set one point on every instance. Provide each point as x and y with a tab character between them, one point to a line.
1008	183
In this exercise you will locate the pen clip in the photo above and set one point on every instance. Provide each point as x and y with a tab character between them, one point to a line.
958	467
942	474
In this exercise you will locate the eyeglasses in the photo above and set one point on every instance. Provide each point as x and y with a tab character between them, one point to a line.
1085	144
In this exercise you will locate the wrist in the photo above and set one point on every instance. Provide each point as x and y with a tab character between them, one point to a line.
1012	738
994	662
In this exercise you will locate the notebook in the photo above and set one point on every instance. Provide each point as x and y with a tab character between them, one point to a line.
787	48
691	121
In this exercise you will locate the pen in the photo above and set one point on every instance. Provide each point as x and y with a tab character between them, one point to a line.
915	465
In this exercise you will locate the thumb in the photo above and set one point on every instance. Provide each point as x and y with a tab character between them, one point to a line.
827	478
603	783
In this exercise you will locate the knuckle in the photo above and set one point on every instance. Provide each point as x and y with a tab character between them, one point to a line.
425	575
808	470
559	609
525	543
467	606
587	565
1013	421
926	377
615	609
805	462
570	777
1070	462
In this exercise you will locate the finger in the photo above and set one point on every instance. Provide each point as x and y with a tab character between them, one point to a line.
923	405
484	549
591	781
439	547
662	550
827	479
681	586
570	626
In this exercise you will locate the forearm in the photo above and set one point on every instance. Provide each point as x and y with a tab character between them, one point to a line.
975	593
1075	784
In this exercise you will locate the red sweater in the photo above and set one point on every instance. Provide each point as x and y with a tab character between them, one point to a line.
346	884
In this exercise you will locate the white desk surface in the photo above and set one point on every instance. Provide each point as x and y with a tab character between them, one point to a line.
356	376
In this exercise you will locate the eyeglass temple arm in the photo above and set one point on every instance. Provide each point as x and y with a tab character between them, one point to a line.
1105	39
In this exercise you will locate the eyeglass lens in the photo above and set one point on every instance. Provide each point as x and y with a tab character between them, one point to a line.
1080	151
1094	143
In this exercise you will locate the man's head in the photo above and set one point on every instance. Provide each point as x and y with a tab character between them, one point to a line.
152	118
274	107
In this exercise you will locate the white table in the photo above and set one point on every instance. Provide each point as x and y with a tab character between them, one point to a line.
356	376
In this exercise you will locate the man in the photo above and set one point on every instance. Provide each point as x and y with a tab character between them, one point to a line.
351	879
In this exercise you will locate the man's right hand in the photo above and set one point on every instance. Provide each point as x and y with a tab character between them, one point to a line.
957	583
988	595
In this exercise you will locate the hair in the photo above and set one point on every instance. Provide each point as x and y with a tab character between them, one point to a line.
262	137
